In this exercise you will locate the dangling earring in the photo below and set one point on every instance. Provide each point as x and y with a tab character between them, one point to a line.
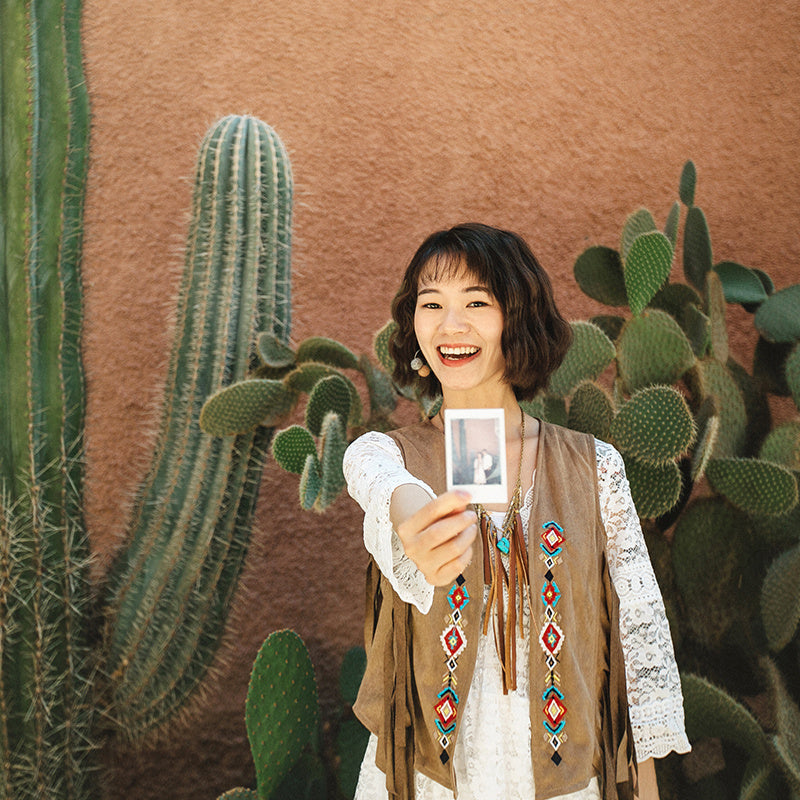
419	366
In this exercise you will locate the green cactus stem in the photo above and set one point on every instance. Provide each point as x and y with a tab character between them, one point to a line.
715	309
246	405
697	257
655	425
780	599
647	268
740	284
688	183
639	222
171	588
291	447
591	410
672	223
599	273
778	317
712	532
757	487
709	378
589	354
331	394
655	488
327	351
782	445
282	708
46	670
652	349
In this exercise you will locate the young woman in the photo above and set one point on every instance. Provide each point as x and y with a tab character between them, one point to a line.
519	651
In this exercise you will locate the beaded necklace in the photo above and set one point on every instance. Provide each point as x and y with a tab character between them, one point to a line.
502	577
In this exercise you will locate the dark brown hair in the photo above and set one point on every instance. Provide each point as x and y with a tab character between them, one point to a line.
535	335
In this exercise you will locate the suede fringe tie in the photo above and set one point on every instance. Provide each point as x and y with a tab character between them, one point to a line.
511	580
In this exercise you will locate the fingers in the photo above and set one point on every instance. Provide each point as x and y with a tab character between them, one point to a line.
439	537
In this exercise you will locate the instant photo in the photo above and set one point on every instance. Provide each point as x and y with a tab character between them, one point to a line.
475	452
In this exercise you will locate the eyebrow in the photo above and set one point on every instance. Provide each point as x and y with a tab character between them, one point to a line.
433	290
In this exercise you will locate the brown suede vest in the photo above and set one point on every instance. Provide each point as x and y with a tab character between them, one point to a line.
401	696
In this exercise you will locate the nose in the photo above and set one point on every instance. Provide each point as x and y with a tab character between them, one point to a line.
454	321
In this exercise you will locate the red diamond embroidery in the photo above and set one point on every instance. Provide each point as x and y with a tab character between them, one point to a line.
554	710
453	641
551	638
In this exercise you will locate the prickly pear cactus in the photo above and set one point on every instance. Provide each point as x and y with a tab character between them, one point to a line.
282	708
334	413
716	487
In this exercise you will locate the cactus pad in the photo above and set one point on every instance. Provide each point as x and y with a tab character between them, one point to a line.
610	324
647	267
655	488
674	297
353	665
598	272
708	430
326	351
382	397
697	326
589	354
671	226
778	317
652	349
282	708
243	406
381	346
239	794
711	532
780	599
308	375
639	222
740	284
697	257
590	410
273	352
688	183
333	393
715	307
333	444
712	712
310	482
793	374
782	445
754	486
710	378
291	447
655	425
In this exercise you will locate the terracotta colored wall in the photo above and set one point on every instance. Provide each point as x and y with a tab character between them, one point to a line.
555	119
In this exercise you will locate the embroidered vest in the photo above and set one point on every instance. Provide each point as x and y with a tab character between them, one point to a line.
420	666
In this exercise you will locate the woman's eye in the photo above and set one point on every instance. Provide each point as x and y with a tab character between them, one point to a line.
477	304
430	304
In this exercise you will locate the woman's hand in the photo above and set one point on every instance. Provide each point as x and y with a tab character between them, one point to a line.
437	535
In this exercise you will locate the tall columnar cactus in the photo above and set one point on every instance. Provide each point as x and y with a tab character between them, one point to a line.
191	519
170	589
45	664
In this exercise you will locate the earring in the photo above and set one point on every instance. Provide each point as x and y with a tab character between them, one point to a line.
419	366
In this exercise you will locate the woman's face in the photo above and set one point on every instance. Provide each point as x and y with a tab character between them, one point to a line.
459	327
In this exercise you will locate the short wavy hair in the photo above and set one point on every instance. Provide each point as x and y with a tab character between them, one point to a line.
535	335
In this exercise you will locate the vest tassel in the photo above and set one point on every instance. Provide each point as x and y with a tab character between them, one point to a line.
515	581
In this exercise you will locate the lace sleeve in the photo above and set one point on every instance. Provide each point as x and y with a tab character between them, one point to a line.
654	689
373	468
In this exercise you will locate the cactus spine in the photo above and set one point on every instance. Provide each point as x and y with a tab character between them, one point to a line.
192	517
45	664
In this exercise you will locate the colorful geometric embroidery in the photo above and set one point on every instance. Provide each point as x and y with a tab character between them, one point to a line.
453	641
551	639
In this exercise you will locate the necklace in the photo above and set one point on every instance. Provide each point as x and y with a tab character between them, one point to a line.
506	576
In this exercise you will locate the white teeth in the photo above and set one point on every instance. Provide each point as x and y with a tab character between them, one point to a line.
458	351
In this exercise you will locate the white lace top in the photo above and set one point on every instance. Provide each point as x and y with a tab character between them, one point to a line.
492	751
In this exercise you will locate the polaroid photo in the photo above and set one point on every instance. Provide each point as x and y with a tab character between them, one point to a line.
475	453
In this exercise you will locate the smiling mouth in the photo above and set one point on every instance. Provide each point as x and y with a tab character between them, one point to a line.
457	353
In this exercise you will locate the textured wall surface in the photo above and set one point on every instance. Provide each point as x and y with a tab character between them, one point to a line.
553	119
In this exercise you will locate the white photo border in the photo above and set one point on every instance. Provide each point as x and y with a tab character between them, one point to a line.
481	493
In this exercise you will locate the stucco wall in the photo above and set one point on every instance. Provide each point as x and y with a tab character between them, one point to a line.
554	119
